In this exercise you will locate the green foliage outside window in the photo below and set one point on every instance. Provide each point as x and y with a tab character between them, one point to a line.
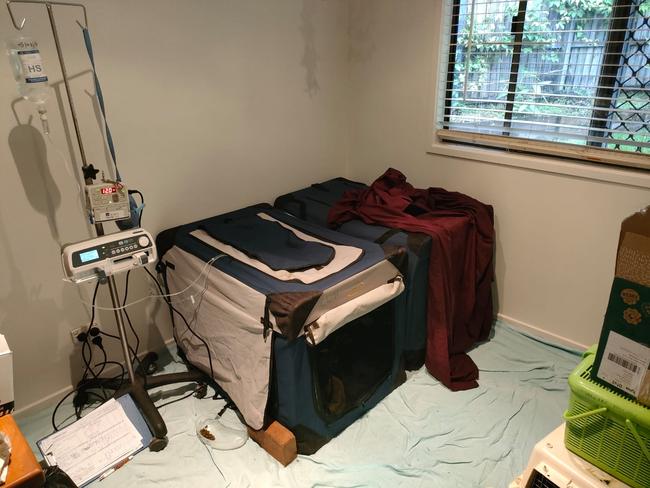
552	28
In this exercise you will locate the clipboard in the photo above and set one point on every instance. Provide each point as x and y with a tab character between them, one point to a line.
99	442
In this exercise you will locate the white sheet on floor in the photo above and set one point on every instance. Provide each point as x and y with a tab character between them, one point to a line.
421	435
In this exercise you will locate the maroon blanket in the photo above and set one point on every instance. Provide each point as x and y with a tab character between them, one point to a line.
459	306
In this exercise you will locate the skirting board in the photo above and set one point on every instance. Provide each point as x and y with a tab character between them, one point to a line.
541	333
53	398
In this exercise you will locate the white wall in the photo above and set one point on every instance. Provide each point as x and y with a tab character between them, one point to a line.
213	104
556	234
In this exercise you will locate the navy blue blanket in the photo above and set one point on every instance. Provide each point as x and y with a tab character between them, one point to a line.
270	243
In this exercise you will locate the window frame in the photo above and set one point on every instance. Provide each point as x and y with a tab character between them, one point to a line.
453	141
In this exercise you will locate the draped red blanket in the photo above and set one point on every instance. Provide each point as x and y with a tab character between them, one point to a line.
459	306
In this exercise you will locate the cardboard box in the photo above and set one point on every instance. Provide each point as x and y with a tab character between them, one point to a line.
6	378
623	357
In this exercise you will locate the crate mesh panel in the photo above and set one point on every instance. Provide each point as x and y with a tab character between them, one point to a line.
538	480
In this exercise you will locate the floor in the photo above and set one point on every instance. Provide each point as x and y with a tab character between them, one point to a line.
422	435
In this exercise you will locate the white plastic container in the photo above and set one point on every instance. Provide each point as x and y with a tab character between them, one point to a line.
552	465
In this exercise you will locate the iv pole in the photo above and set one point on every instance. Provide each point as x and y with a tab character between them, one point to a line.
137	385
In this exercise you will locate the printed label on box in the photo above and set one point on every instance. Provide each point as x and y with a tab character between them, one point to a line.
633	262
624	363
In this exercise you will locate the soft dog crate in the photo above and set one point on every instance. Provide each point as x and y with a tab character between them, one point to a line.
304	325
313	204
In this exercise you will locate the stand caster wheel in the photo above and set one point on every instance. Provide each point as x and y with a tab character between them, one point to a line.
158	444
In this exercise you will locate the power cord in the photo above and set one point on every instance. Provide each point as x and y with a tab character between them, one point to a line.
83	337
90	379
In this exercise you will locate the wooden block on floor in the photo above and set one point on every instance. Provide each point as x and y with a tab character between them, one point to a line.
277	440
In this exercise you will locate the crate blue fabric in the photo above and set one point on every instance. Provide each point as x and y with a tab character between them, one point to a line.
421	435
280	248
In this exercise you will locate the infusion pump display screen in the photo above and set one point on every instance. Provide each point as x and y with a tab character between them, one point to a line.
86	257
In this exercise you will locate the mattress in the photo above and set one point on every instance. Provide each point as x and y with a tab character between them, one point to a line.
234	279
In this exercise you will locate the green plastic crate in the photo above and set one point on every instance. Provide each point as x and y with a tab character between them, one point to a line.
607	429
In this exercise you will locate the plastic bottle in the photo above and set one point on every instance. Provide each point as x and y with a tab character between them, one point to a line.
28	70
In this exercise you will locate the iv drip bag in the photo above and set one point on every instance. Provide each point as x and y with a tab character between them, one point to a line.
29	73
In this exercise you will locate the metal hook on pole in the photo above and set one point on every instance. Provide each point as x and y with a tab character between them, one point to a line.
13	19
19	26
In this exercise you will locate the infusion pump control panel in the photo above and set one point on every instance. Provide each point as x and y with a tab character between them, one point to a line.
108	201
107	255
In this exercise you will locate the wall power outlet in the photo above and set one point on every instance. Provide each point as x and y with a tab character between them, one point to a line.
74	333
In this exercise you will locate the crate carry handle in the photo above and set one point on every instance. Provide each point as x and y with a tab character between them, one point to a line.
630	425
579	416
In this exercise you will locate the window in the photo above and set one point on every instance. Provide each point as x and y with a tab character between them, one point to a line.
563	77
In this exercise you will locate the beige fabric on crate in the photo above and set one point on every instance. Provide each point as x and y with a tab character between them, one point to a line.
228	319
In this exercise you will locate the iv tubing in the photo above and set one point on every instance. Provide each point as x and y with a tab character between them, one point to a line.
184	290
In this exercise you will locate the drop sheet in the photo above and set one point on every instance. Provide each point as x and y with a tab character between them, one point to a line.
421	435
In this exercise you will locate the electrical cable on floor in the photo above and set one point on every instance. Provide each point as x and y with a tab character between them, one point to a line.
85	385
56	428
77	402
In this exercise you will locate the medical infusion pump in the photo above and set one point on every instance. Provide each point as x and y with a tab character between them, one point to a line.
108	201
107	255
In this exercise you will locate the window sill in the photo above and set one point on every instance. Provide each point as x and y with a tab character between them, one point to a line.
598	172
